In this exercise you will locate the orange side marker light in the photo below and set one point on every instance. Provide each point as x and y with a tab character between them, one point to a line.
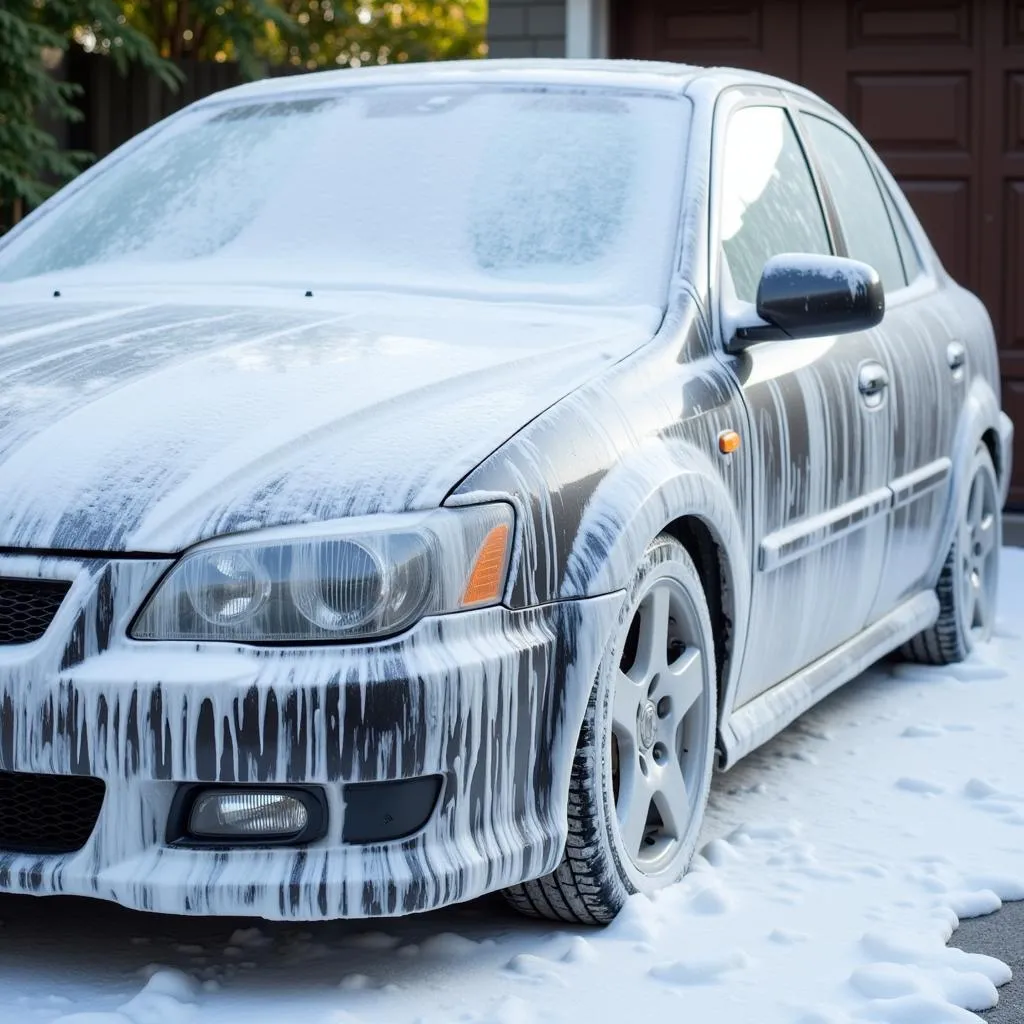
489	569
728	442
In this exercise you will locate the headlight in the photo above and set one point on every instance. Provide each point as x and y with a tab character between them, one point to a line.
361	579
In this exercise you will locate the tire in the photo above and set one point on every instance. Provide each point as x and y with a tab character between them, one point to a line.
969	580
636	798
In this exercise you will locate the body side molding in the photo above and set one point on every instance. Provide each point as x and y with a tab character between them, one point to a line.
791	542
906	489
784	545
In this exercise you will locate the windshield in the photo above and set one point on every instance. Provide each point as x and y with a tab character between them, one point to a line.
568	195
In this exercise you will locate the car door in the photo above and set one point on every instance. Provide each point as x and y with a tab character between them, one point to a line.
819	422
924	355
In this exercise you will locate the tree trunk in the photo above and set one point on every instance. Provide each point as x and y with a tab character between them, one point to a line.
180	24
158	21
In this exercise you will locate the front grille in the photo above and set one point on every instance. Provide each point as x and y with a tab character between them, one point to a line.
27	608
48	813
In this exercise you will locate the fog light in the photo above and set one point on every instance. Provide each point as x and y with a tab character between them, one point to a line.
247	814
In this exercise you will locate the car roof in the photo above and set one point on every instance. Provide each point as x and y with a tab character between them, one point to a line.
648	76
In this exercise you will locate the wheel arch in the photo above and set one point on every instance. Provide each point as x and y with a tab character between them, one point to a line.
704	547
978	424
991	441
675	489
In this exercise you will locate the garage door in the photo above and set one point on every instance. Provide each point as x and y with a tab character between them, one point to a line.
938	88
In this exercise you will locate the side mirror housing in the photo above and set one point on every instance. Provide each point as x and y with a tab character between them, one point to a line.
802	296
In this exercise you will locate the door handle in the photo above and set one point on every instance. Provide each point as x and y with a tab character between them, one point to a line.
956	356
872	380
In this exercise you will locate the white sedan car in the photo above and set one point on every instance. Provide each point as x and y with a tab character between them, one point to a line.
416	480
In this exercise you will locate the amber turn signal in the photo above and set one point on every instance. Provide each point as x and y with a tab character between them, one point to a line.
728	442
489	570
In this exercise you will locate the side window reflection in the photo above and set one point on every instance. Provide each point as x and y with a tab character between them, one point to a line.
769	202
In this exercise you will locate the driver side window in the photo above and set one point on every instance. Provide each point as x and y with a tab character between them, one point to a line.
769	202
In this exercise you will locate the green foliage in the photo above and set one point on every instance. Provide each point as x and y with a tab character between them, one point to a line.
221	30
351	33
33	36
27	153
311	33
305	34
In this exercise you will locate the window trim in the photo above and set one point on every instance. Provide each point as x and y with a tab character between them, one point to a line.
927	279
826	186
894	211
722	307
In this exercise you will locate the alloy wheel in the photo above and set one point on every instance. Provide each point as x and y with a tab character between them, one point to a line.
979	554
658	732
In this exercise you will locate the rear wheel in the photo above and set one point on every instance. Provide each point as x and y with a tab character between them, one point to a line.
970	577
643	764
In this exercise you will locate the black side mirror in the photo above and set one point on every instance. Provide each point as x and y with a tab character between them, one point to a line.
802	296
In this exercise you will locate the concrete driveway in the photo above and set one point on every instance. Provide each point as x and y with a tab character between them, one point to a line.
1000	935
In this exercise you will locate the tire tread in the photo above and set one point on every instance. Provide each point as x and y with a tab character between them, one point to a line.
585	888
947	641
943	643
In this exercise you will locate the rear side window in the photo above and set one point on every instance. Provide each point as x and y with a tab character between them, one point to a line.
912	265
769	201
862	210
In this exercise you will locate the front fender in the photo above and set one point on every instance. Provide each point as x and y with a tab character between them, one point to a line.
652	486
661	482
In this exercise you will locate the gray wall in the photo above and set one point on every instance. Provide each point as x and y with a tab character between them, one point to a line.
526	28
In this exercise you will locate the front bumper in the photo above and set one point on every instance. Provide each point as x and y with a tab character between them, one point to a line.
491	700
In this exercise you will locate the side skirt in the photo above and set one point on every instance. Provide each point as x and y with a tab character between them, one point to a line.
769	713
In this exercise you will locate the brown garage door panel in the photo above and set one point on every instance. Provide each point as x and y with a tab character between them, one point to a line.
944	210
1014	140
913	112
1013	248
1013	403
937	86
1014	23
740	28
758	34
880	23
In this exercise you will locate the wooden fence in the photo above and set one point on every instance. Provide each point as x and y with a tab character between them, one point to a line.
117	107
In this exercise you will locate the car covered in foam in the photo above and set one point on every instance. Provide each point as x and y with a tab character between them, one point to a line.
417	480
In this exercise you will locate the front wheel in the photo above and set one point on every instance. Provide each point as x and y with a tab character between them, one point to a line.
643	763
970	577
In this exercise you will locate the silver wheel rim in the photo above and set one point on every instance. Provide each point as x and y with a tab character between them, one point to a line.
659	734
979	555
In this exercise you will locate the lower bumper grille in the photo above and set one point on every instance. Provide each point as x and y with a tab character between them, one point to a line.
48	813
27	608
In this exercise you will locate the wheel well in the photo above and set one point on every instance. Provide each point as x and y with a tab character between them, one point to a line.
694	535
991	439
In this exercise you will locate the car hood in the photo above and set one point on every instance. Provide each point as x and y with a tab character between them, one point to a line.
128	426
